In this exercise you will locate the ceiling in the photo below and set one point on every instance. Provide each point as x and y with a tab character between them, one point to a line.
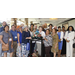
48	20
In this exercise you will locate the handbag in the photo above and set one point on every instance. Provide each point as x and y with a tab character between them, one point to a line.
74	45
5	48
28	46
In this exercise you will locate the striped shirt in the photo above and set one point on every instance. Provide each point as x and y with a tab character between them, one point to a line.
49	42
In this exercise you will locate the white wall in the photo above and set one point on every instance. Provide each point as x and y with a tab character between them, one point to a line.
72	23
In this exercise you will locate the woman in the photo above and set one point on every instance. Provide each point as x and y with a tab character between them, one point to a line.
6	39
60	43
39	42
50	28
64	42
19	42
69	37
25	39
54	48
32	34
48	43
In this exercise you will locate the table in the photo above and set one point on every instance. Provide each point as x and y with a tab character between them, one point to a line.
35	42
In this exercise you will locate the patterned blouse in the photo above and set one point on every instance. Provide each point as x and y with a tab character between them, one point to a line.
49	42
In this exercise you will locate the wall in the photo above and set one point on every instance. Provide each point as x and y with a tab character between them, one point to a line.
72	23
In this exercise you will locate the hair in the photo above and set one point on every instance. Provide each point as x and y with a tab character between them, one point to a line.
59	27
63	26
40	27
55	30
50	25
72	28
5	26
32	24
48	30
12	25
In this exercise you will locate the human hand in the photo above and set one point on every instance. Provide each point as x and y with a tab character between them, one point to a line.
11	46
30	38
19	44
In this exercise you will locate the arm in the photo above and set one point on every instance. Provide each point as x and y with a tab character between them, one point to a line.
2	40
57	39
18	37
23	37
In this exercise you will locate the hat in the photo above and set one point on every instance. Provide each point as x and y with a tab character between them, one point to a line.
24	27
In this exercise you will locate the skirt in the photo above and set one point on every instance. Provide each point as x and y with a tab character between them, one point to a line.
60	44
64	47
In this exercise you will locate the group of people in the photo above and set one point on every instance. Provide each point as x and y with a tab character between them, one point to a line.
56	41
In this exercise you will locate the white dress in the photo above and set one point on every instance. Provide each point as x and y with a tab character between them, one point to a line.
69	45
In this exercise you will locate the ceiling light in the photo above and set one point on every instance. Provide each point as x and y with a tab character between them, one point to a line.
53	18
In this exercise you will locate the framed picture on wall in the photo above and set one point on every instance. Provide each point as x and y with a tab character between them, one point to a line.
65	25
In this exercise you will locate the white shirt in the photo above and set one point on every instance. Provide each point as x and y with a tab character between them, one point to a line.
69	36
42	34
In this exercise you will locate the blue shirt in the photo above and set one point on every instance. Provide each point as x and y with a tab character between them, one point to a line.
20	37
1	29
14	35
24	35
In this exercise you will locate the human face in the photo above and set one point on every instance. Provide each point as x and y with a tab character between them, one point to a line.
63	29
32	26
50	27
35	26
47	32
13	28
45	25
6	28
4	23
40	29
53	31
59	29
70	28
20	29
26	29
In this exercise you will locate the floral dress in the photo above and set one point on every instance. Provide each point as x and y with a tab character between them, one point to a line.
55	40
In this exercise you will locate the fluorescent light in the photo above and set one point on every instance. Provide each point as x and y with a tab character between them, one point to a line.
53	18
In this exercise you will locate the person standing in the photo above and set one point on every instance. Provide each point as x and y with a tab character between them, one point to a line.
39	42
19	42
6	39
69	37
60	43
50	28
32	34
64	42
1	29
14	35
3	24
55	38
25	39
48	43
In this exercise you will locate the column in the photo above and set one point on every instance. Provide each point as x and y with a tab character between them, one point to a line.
26	21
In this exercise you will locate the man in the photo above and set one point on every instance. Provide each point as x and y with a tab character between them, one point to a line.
1	29
3	24
35	28
14	35
45	26
32	26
